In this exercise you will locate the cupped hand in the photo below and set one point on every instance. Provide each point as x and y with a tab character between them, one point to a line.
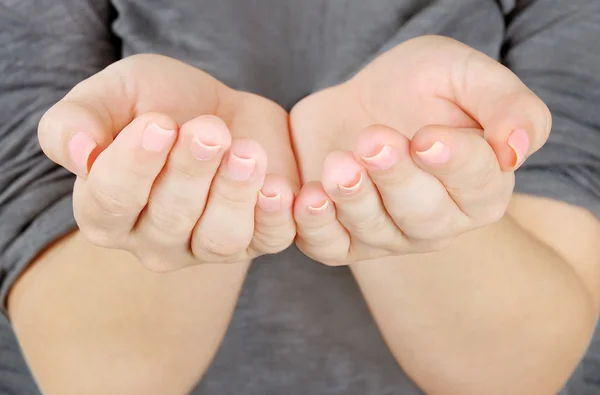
417	148
174	166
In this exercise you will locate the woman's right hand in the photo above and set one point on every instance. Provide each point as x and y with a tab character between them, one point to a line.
173	165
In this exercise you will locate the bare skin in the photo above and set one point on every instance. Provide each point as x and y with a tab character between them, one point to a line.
93	320
422	147
431	125
173	164
178	172
412	189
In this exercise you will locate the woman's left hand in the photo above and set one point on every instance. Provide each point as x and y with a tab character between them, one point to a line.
417	148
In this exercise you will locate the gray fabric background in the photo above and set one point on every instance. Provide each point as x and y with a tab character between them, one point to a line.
300	327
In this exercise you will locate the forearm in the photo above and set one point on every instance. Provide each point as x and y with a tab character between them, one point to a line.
98	316
496	313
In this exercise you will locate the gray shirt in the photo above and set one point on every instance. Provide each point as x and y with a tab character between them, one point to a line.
299	327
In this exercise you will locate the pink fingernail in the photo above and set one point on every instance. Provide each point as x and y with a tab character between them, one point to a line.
519	142
437	154
204	151
155	138
240	169
318	208
382	160
269	203
80	149
353	186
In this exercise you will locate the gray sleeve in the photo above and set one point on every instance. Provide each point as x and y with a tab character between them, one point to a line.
46	47
554	47
15	376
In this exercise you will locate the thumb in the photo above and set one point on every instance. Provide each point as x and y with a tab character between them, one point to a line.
516	122
76	129
80	126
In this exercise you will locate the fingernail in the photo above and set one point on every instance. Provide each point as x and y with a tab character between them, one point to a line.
382	160
319	208
240	169
269	203
352	186
204	151
155	138
519	142
437	154
80	149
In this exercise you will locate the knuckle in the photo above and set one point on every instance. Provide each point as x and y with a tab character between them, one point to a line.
447	225
394	182
542	118
158	263
273	241
98	236
141	172
428	216
543	114
187	170
477	179
328	256
486	175
319	240
169	220
430	225
398	246
493	214
234	198
217	250
120	74
423	213
92	225
492	206
105	201
52	136
368	224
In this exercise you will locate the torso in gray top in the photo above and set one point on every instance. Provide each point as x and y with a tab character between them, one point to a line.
299	327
